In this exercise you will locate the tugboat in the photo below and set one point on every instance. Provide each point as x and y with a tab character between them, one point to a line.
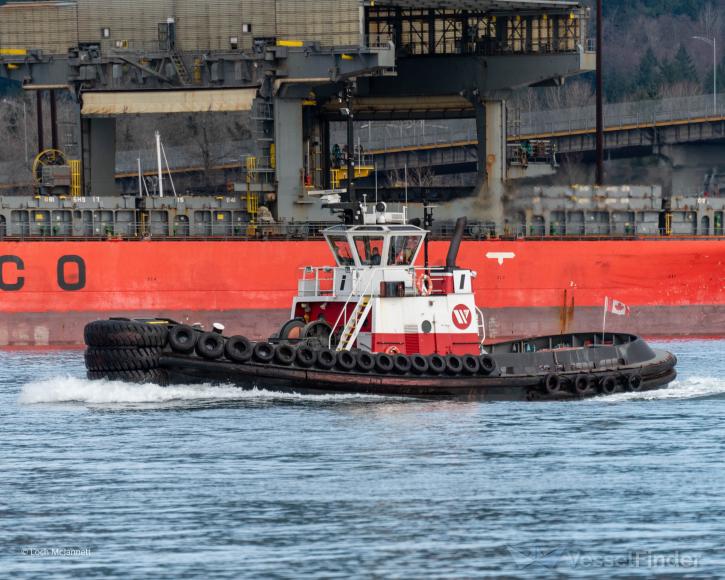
378	322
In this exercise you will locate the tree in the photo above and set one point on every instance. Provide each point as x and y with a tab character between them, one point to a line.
684	68
668	72
707	84
648	73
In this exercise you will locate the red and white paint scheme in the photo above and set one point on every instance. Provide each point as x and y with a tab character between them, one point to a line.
376	299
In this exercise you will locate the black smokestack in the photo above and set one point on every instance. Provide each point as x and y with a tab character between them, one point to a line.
455	243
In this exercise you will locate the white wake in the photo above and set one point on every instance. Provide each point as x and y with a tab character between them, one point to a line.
69	389
103	392
687	388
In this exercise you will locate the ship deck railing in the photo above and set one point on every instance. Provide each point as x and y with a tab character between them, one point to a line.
281	235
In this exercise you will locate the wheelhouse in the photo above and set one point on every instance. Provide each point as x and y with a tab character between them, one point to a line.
375	245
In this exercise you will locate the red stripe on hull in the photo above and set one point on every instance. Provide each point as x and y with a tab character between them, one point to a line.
66	328
427	343
560	279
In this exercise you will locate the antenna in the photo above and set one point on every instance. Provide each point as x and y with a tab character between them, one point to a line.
376	182
158	163
168	169
406	184
140	177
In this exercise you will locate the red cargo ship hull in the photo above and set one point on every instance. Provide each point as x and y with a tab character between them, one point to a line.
50	290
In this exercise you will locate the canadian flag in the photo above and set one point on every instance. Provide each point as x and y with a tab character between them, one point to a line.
615	306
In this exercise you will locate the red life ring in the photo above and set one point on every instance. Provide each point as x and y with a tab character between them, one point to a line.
392	350
425	285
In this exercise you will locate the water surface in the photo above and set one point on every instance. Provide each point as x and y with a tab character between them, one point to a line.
106	479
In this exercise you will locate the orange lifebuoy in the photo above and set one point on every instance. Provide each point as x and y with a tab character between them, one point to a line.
392	350
425	285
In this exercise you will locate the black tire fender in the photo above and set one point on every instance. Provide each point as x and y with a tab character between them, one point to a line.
153	376
263	352
401	364
326	358
121	359
634	382
552	384
383	362
238	349
471	364
608	385
305	356
284	354
210	345
182	338
488	364
119	333
454	364
436	364
289	326
364	361
418	364
581	384
345	360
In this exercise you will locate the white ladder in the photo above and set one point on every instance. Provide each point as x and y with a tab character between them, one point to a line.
354	324
481	329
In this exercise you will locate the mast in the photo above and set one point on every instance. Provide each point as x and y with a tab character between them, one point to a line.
158	161
348	205
600	107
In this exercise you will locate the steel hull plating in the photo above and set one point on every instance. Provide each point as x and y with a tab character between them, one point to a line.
50	290
186	370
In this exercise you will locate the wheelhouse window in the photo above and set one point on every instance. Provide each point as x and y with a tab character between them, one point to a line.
370	249
402	250
341	248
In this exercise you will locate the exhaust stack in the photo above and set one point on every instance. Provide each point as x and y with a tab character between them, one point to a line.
455	243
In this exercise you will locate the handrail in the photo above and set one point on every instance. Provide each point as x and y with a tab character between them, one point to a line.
482	327
344	309
654	237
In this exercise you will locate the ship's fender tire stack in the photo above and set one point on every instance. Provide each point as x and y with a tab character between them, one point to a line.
122	359
122	333
125	350
153	376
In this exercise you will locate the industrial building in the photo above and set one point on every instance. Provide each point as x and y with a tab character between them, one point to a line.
295	66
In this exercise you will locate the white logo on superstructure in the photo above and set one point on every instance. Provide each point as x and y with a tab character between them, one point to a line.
500	256
461	316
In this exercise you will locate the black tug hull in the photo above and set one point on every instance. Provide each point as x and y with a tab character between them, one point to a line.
510	388
655	373
559	367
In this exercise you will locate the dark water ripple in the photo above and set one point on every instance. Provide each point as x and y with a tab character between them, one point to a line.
214	482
